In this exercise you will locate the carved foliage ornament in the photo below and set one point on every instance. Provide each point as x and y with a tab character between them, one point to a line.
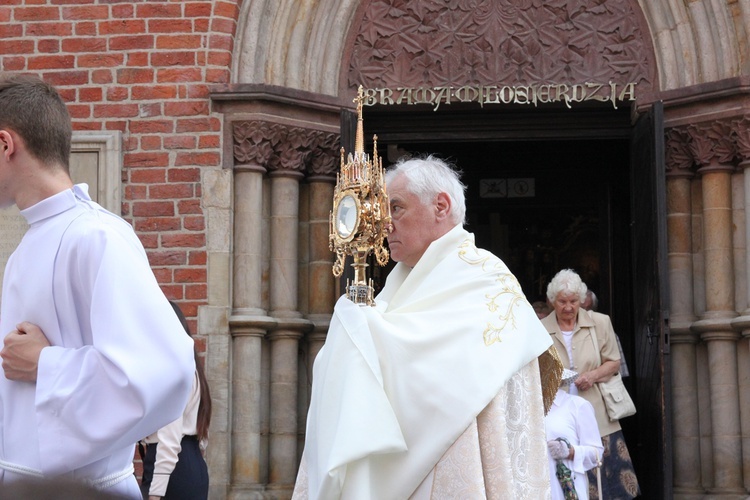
282	148
407	43
719	143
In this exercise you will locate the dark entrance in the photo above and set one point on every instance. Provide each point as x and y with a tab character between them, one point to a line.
550	189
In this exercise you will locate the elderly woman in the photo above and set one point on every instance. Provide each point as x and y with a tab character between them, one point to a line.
573	328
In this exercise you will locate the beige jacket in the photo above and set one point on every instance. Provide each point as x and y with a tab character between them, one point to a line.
585	358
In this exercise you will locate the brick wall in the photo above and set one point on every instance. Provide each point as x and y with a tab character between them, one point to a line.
141	67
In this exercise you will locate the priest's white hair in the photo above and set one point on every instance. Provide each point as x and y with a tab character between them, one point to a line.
428	176
566	281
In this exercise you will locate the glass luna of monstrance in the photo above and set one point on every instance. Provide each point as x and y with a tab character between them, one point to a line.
361	214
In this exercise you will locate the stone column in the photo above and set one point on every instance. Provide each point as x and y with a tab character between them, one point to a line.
249	322
741	135
286	172
686	431
711	146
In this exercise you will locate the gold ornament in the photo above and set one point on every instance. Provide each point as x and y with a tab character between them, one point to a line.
361	214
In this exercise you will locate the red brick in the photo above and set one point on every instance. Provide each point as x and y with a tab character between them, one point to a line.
162	275
168	257
220	42
153	209
115	94
219	58
185	207
48	29
198	9
152	127
140	93
150	142
48	46
108	60
80	44
101	76
217	76
173	58
180	142
87	13
129	76
150	110
198	125
87	125
226	9
147	160
201	25
79	111
133	192
209	142
170	26
69	2
11	30
115	110
13	63
183	175
198	91
173	292
90	94
194	223
138	59
131	42
129	143
159	224
51	62
61	78
85	29
223	26
6	11
170	191
122	11
183	240
197	258
151	10
191	275
147	176
177	42
26	14
196	292
16	47
68	94
202	159
186	108
122	27
180	75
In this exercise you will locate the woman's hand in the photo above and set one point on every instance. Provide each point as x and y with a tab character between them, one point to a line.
586	381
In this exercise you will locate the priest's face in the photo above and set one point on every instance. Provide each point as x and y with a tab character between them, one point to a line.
414	225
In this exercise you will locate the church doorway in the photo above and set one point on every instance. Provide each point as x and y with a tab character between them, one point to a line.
549	189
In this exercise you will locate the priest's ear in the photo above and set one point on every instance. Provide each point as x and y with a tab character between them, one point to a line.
443	206
6	143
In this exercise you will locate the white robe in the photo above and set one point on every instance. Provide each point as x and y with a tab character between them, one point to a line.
572	417
395	386
120	364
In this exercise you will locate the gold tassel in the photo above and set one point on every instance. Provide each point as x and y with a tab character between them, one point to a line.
550	370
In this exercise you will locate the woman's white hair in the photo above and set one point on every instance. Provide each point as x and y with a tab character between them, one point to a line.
428	176
566	281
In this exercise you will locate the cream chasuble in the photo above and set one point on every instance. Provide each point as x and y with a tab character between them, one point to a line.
446	362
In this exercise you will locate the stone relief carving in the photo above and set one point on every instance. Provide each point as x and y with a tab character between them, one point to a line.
741	136
679	160
711	144
406	43
283	149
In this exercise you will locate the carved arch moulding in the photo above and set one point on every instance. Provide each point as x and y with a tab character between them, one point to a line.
406	43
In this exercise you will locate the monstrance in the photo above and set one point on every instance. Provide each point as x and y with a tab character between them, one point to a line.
361	214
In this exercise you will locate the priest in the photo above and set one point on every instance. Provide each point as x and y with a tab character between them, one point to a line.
436	391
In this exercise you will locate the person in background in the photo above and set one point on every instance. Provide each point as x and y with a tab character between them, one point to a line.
173	463
591	303
573	441
93	357
541	308
572	329
443	368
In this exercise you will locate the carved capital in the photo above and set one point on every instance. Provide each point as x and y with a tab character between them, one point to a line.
741	136
253	143
324	157
679	160
711	145
292	151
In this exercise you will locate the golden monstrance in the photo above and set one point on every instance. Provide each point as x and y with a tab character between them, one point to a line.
361	214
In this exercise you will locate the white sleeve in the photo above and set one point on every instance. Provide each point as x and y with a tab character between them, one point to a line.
126	366
589	442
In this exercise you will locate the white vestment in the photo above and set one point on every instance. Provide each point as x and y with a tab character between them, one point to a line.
401	390
572	417
120	364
